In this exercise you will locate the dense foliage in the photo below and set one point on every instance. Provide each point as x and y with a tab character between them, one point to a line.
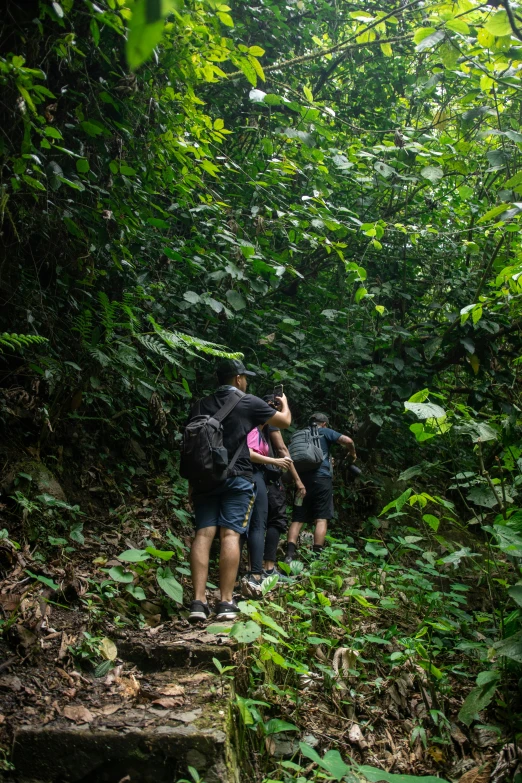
330	190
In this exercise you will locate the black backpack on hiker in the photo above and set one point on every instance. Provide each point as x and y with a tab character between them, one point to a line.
305	449
204	458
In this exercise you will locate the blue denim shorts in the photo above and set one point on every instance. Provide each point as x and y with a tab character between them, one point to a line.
229	505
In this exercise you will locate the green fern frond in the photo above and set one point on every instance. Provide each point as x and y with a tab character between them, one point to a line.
19	341
108	312
155	346
83	325
99	356
187	341
131	315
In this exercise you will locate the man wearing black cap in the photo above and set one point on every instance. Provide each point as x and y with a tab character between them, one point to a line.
317	506
228	506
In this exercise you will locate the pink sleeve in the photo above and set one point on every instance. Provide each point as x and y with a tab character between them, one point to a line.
253	439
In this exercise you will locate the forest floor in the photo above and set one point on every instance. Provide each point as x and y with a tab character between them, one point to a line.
79	650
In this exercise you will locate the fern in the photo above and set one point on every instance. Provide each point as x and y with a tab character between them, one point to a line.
186	342
99	356
19	341
108	313
155	346
84	327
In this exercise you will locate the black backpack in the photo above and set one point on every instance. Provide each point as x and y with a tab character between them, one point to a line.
305	449
204	458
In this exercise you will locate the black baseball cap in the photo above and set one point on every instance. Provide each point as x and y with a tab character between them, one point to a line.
227	368
320	418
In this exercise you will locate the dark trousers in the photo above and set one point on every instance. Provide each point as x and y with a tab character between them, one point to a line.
277	521
257	527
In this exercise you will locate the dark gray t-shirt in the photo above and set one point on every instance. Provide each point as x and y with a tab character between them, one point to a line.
248	413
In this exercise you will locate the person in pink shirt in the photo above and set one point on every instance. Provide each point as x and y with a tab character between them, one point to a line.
259	456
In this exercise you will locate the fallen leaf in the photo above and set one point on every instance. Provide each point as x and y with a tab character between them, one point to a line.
437	755
108	649
168	702
78	714
129	687
195	678
109	709
2	719
457	734
477	775
64	644
355	736
173	690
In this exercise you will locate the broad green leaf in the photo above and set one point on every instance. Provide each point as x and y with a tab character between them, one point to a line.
425	410
432	521
276	726
498	24
245	633
458	26
137	592
133	556
430	41
226	19
334	765
375	775
360	294
433	173
478	699
161	553
169	584
142	35
515	593
493	213
92	128
420	396
120	575
236	300
510	647
82	165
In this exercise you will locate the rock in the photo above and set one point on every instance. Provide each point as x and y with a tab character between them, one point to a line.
42	481
187	717
483	738
282	746
90	754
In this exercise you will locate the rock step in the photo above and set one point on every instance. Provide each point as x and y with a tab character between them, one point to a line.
151	657
141	729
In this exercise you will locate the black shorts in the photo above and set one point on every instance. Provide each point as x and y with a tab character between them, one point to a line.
318	501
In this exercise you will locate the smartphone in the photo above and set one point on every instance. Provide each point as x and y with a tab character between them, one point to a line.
278	390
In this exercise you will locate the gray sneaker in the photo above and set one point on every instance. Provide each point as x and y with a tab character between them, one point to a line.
251	587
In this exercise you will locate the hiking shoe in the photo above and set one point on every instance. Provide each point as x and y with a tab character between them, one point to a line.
251	587
226	610
199	612
276	572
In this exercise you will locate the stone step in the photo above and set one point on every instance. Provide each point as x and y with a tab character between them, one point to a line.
141	729
153	656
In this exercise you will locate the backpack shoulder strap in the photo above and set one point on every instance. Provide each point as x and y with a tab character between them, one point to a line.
229	405
235	457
